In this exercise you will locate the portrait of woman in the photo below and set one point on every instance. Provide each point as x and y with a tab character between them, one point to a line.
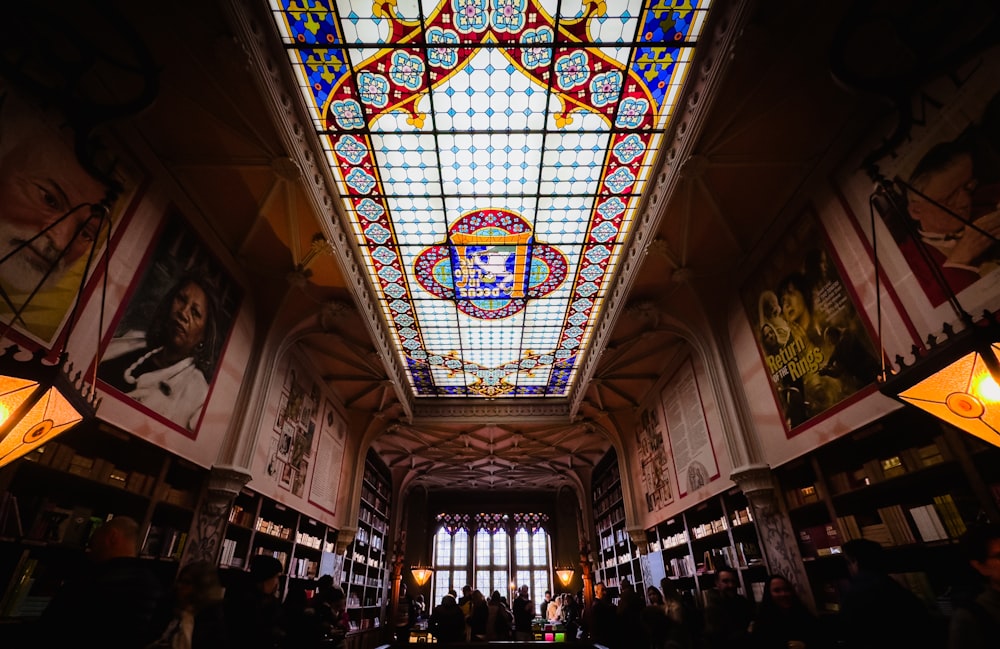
166	346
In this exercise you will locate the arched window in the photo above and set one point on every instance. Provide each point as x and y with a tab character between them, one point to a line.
506	552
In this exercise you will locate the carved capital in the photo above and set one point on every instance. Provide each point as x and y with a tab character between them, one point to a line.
345	536
757	483
638	538
226	481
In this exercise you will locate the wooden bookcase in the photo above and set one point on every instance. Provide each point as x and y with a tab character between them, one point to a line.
719	531
260	525
366	565
908	482
617	556
53	498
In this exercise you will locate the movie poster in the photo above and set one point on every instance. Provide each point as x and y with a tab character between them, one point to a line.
812	341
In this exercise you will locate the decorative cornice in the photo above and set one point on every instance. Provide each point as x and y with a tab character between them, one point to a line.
269	68
714	54
476	411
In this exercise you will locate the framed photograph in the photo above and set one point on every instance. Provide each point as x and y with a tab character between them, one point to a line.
46	221
171	329
811	339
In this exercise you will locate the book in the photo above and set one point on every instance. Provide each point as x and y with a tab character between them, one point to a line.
49	525
10	516
18	586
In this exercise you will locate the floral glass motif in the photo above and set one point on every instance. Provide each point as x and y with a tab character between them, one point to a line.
530	522
491	523
491	156
454	522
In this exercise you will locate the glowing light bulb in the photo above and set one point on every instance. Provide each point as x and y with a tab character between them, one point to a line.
986	388
4	413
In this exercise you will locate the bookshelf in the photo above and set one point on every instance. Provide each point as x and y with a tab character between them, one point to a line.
260	525
716	532
617	556
907	482
366	565
53	498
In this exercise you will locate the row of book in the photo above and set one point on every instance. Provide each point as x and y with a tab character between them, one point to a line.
667	542
273	528
877	470
63	457
711	527
612	517
937	521
164	542
60	525
681	566
303	568
228	556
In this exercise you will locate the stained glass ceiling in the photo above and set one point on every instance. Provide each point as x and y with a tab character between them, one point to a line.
491	156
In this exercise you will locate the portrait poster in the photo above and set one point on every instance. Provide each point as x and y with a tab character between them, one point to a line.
48	220
945	172
811	339
171	330
695	463
653	460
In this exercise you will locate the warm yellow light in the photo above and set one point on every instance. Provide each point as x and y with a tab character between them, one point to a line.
42	413
985	388
565	575
421	574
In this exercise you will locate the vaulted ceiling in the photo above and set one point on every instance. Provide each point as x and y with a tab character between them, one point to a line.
759	116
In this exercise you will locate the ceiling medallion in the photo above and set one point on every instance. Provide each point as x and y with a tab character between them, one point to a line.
492	266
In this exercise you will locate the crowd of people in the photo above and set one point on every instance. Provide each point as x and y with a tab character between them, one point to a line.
118	594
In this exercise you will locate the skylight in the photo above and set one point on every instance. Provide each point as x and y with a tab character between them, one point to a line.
491	156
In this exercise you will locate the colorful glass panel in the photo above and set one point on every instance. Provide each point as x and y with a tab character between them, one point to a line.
491	156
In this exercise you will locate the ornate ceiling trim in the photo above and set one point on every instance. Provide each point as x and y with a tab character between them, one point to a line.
725	24
266	63
500	410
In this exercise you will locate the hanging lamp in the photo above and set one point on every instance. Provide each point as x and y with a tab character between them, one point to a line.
956	378
41	398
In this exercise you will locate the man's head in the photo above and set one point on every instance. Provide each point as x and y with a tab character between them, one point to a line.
863	555
943	176
982	548
599	590
727	581
265	572
523	592
116	538
41	180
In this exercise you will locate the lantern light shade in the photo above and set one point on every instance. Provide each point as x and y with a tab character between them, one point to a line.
38	401
957	381
421	574
565	575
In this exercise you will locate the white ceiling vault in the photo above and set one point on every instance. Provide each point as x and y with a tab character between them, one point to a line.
232	129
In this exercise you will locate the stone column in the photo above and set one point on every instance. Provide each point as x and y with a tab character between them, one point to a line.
206	535
777	538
